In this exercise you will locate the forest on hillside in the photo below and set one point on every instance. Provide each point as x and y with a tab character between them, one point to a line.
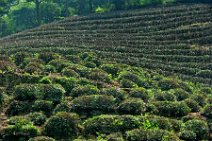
18	15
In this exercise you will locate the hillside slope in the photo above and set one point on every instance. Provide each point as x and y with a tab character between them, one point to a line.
175	39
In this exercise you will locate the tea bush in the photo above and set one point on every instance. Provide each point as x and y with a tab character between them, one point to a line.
132	106
93	102
37	118
18	107
62	125
67	83
140	93
111	69
111	123
172	109
164	96
199	127
42	138
207	111
43	106
84	90
116	93
193	105
167	84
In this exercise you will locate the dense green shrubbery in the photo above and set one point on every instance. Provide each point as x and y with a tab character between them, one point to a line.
70	72
42	138
21	130
193	105
93	102
62	125
84	90
199	98
34	68
19	57
125	83
1	97
188	135
150	135
59	64
45	80
99	75
116	93
90	64
62	107
172	109
43	106
199	127
207	111
74	58
167	84
37	118
67	83
164	96
18	107
32	92
49	69
48	56
111	69
111	123
204	74
180	94
132	106
140	93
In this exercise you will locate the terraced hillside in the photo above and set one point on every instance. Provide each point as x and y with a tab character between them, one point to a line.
174	39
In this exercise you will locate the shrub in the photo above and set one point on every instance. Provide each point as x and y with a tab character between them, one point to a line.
84	90
45	80
81	70
132	106
150	135
84	81
99	75
204	74
19	57
199	127
18	119
74	58
42	138
67	83
93	102
1	97
126	75
111	123
59	64
115	137
188	135
62	125
140	93
62	107
207	111
70	72
90	64
34	68
18	107
180	94
172	109
116	93
48	56
43	106
39	91
20	131
26	92
49	69
125	83
193	105
53	93
164	96
199	98
37	118
167	84
111	69
206	90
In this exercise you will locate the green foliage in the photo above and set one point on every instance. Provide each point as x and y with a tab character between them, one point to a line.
45	80
59	64
70	72
42	138
48	56
111	123
18	107
84	90
172	109
21	130
164	96
199	127
67	83
116	93
112	69
140	93
132	106
150	134
99	75
167	84
62	125
187	135
193	105
37	118
207	111
93	103
43	106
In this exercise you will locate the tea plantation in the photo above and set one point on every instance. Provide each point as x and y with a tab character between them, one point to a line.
142	75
